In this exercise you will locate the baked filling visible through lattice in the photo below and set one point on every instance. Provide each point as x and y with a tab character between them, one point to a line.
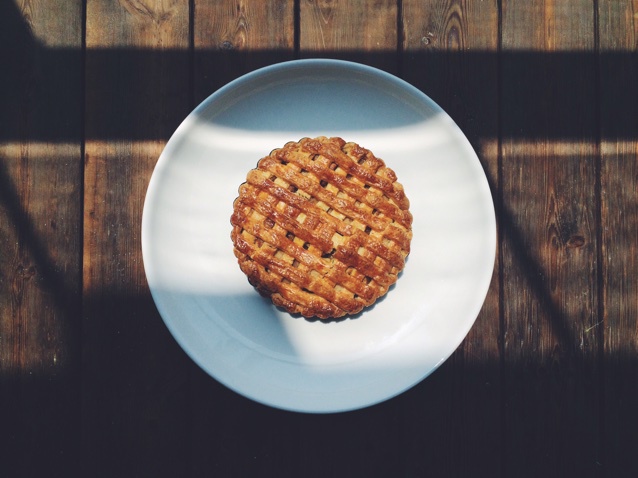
322	227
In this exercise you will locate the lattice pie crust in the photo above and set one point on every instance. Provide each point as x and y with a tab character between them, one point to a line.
322	227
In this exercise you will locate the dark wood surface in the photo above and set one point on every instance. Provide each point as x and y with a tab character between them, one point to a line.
93	384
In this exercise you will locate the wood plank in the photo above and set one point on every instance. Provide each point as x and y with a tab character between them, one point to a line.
618	33
234	37
450	53
230	434
269	441
362	442
40	237
135	411
549	221
365	32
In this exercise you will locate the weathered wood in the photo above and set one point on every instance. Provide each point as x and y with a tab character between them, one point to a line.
549	221
361	442
91	382
40	237
618	33
135	411
233	37
230	434
450	53
364	32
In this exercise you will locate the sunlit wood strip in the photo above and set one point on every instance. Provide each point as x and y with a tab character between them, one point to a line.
549	222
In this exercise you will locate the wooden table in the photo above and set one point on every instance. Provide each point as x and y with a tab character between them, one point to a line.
91	382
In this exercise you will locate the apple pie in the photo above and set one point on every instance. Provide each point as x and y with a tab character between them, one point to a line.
322	227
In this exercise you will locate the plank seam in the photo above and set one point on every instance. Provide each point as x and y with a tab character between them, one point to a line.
296	29
499	208
600	306
400	38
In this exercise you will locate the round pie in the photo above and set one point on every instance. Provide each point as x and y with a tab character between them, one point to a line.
322	227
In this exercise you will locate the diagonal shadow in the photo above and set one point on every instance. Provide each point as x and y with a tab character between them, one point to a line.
131	117
29	108
65	296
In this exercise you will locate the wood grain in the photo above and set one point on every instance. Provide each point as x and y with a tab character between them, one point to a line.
92	383
450	53
618	33
552	335
364	32
137	92
230	434
235	436
361	442
234	37
40	236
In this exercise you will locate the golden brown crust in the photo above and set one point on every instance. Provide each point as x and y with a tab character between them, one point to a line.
322	227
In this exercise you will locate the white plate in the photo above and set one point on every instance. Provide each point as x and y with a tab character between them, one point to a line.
238	337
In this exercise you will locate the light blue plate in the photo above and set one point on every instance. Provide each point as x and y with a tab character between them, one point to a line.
238	337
